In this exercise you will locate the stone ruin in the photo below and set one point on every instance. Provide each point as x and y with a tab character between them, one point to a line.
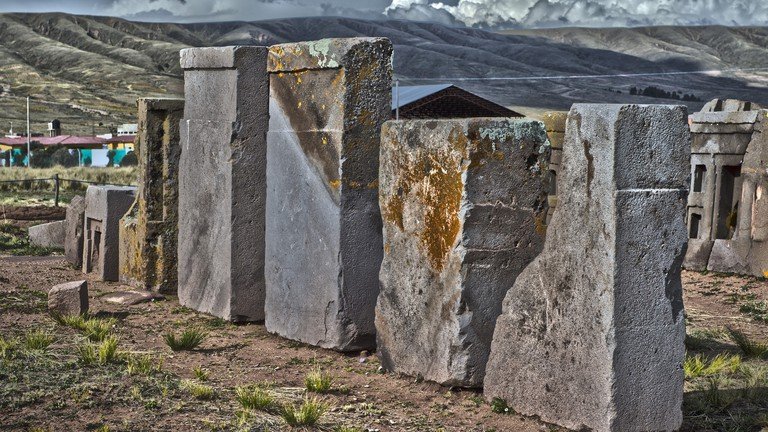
328	100
554	123
591	335
463	204
104	206
279	219
727	206
148	232
222	181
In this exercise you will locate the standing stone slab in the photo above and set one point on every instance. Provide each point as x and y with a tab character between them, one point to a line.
148	232
104	206
328	100
51	234
222	181
69	298
463	204
73	236
592	333
554	123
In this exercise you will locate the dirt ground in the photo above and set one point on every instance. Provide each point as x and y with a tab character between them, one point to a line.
52	390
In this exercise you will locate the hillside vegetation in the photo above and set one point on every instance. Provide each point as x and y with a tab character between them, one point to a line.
88	71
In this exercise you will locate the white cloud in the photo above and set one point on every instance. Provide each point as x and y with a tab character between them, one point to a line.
594	13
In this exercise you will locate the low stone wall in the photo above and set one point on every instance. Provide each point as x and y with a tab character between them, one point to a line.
52	234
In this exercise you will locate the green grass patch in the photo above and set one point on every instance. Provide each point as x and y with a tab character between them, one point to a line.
750	348
255	397
307	414
95	329
38	340
189	340
318	381
199	391
699	366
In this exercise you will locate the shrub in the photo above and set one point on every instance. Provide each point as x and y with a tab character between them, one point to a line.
63	157
129	160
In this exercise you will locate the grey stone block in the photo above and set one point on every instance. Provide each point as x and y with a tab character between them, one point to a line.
149	231
104	206
592	333
73	240
69	298
463	204
328	100
52	234
222	182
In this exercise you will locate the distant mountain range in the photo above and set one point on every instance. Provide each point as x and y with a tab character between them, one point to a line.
89	70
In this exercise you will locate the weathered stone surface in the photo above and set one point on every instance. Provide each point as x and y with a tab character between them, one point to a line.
554	123
52	234
129	298
592	333
222	181
149	231
328	100
726	206
73	239
69	298
104	206
463	203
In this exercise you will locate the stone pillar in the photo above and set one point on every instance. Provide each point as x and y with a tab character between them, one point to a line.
328	100
104	206
222	181
73	237
149	231
463	203
591	336
554	123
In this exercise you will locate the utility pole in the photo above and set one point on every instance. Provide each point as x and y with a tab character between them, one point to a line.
29	155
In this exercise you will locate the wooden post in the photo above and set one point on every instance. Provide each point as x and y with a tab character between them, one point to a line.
56	189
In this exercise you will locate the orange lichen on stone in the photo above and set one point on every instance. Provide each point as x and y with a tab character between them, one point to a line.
434	175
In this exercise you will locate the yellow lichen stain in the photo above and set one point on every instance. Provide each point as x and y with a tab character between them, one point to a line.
298	105
435	177
353	184
324	140
336	183
484	150
765	273
386	248
373	185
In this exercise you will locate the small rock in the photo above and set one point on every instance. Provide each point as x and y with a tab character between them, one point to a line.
132	297
69	298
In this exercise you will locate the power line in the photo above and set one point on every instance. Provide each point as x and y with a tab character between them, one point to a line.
572	77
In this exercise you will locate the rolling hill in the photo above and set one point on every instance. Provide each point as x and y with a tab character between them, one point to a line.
89	70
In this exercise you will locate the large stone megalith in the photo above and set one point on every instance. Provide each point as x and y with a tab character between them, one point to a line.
463	204
592	333
222	181
148	232
328	100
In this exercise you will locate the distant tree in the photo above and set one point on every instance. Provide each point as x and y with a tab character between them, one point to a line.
111	157
633	91
65	158
130	159
87	161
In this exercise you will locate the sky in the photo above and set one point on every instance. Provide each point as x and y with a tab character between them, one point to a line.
491	14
